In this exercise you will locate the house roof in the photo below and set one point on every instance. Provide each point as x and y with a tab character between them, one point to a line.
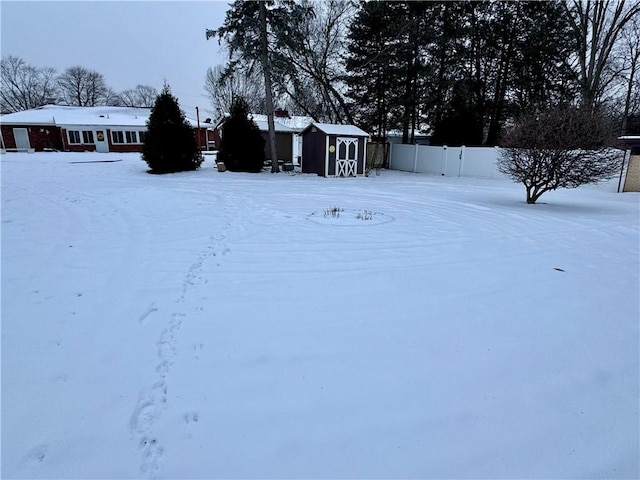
263	126
82	116
332	129
294	123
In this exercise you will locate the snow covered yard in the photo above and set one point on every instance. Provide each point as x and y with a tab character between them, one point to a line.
219	325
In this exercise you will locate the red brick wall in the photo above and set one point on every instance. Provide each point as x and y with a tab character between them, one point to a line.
40	137
129	148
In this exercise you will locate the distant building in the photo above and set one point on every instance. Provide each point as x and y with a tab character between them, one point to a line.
632	171
288	139
79	129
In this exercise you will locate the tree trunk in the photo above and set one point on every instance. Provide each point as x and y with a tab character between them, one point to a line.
266	70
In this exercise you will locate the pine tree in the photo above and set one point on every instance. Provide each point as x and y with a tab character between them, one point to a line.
242	145
386	72
373	76
259	30
170	144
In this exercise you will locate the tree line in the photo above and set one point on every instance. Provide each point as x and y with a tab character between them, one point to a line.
461	69
24	86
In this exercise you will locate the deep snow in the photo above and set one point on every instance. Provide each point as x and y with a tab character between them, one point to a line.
219	325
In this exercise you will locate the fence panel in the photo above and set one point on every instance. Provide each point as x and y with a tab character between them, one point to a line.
402	157
463	161
480	162
429	159
453	158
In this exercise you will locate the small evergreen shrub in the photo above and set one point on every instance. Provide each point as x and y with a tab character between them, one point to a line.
170	143
242	145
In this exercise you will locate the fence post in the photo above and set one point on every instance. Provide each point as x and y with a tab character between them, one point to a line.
461	158
443	168
415	158
624	160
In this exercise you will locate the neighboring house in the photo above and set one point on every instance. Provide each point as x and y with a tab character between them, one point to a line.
420	137
288	129
632	178
334	150
79	129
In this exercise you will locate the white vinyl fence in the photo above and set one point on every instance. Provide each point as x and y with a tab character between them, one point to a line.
479	162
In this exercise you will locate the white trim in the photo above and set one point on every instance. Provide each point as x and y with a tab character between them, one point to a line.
124	132
326	157
346	167
333	129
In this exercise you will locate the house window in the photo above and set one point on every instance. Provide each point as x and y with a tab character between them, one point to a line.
141	136
74	137
117	136
126	136
77	137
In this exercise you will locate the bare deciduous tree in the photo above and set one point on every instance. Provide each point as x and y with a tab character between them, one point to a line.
631	54
140	96
82	87
315	84
597	25
23	86
561	148
223	88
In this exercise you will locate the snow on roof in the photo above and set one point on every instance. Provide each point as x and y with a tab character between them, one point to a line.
423	132
65	116
294	123
263	126
332	129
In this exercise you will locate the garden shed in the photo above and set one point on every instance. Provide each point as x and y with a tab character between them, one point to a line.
334	150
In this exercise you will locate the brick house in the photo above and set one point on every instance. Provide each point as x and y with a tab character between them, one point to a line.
78	129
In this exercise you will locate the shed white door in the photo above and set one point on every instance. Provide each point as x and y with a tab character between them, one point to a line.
346	157
21	135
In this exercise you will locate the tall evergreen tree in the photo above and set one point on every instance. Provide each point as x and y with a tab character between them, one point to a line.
170	143
259	30
373	79
242	145
510	57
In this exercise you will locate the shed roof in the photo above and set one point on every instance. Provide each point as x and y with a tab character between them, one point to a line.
332	129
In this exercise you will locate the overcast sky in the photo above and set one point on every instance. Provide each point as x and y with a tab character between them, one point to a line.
129	42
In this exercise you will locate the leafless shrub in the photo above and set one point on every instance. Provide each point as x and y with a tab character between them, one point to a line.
561	148
333	212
